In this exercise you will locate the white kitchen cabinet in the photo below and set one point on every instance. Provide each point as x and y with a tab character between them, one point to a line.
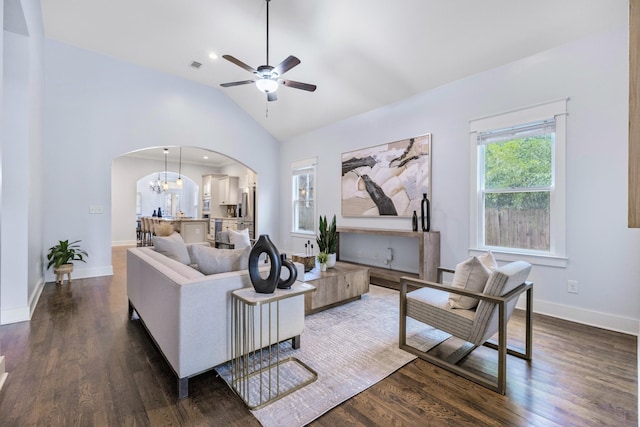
228	188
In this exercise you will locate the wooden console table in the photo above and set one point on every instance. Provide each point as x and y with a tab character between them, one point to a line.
428	256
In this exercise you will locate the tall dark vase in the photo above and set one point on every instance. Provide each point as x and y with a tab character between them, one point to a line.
293	273
414	221
425	211
260	284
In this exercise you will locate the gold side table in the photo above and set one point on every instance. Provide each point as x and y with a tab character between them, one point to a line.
258	375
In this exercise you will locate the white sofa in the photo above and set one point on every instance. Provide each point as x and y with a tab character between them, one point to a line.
188	314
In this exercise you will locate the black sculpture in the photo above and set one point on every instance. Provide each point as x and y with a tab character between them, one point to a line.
268	285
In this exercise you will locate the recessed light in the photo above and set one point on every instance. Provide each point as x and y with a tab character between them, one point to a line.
205	157
212	55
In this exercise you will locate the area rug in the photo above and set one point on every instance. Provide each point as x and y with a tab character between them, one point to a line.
351	347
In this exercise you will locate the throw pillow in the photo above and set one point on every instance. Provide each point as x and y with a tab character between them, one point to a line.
489	261
213	261
470	275
239	239
172	247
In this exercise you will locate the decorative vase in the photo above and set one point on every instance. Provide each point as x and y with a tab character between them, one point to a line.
414	221
293	273
425	211
323	266
331	260
260	284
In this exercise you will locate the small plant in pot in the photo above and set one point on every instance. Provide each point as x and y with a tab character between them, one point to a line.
327	239
61	257
322	259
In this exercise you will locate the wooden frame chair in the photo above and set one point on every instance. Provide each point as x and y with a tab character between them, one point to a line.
429	305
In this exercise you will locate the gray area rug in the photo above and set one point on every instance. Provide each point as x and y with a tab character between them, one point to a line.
351	347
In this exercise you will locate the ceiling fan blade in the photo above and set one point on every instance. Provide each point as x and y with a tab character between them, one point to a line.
243	82
240	63
271	96
298	85
286	65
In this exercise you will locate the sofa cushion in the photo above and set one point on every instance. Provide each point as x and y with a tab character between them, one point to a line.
213	260
470	275
239	239
172	247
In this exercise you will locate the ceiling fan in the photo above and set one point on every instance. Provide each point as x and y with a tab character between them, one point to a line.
268	78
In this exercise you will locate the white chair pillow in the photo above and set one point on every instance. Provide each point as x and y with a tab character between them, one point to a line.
239	239
489	261
470	275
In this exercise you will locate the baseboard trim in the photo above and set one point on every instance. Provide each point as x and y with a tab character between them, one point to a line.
587	317
124	243
35	297
14	315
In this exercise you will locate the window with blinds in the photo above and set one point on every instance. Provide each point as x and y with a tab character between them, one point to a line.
516	171
518	181
303	196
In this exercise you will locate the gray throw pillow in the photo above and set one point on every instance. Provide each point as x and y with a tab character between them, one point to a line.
213	260
172	247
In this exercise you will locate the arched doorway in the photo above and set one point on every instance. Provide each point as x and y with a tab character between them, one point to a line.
134	172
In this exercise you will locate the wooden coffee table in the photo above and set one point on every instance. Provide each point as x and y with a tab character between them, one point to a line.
338	285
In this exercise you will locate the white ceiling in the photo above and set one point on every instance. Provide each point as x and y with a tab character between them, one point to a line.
362	54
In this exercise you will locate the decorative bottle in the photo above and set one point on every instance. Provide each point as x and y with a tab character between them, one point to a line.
425	211
415	221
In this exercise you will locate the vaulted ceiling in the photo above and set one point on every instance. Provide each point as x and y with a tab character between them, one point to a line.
362	54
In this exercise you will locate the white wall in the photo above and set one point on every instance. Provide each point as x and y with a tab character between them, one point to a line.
21	259
98	108
602	251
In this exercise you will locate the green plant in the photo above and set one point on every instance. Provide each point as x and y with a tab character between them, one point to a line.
65	252
327	235
323	257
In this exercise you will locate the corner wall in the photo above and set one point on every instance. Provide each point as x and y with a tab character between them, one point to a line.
97	108
602	251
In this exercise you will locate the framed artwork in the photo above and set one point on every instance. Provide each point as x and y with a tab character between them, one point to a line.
387	179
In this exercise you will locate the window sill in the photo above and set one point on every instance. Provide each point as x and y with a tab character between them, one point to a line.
303	234
534	259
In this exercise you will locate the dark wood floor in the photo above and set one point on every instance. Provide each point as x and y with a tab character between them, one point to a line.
81	362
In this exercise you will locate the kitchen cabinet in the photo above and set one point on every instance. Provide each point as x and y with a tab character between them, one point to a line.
228	190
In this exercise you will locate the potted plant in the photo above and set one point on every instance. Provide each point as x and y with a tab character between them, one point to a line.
60	256
328	239
322	259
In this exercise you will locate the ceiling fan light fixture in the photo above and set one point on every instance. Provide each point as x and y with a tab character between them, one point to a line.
266	85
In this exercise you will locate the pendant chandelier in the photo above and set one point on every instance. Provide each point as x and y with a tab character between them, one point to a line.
179	180
165	184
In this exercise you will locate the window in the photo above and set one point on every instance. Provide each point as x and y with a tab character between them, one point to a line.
303	196
518	183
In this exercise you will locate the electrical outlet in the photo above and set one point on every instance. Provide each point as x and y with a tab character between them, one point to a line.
96	209
572	286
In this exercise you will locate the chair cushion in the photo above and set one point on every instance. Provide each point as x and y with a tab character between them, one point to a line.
239	239
213	260
431	306
470	275
172	247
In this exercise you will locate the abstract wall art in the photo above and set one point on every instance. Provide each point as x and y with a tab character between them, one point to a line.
387	179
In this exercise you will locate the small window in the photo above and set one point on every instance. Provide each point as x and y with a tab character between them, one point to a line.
518	197
303	196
